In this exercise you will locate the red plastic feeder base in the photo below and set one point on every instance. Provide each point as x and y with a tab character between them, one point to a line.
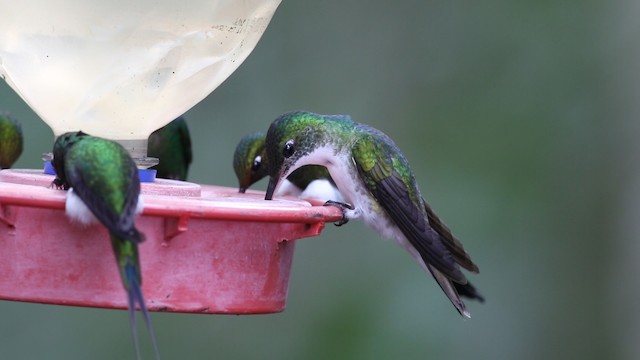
208	249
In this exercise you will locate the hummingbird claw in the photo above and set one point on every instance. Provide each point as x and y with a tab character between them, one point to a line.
342	206
57	184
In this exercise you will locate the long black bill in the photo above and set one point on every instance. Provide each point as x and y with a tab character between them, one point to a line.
273	182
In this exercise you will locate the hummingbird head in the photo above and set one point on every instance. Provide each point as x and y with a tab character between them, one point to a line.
62	144
293	136
250	160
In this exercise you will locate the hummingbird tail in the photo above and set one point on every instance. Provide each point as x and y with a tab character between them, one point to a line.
450	289
129	264
135	295
132	323
469	291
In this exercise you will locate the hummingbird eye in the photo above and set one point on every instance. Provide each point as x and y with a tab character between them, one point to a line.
256	163
288	149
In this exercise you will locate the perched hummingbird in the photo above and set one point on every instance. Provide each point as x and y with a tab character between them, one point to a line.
10	140
103	184
172	145
251	165
375	179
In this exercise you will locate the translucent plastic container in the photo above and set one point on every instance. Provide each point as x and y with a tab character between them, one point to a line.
122	69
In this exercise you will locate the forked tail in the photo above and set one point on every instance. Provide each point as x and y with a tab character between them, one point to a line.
129	264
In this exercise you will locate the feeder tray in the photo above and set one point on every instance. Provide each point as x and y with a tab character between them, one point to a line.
208	249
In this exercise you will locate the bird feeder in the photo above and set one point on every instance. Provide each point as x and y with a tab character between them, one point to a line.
120	70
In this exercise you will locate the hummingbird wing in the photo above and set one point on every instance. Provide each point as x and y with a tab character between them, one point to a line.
462	257
387	176
106	179
450	241
394	199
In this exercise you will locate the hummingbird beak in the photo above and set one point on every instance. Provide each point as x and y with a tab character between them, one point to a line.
271	188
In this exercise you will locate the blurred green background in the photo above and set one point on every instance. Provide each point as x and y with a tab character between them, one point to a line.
519	119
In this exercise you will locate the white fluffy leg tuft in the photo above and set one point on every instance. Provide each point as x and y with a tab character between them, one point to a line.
77	210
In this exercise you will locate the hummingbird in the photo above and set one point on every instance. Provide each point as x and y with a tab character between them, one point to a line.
103	184
250	164
379	187
171	144
10	140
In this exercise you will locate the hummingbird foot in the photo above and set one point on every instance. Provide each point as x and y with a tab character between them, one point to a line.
58	184
342	206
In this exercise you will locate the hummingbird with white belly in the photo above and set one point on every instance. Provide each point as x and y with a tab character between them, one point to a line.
251	165
378	186
103	184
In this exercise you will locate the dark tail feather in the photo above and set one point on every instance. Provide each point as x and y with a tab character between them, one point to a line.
469	291
132	322
450	289
134	294
126	253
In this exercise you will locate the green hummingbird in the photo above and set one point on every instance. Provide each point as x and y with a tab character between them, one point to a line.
379	187
171	144
103	185
10	140
250	164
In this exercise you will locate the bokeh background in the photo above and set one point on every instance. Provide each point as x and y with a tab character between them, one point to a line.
520	119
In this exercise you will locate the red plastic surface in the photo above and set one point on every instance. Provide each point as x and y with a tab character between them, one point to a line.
208	249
